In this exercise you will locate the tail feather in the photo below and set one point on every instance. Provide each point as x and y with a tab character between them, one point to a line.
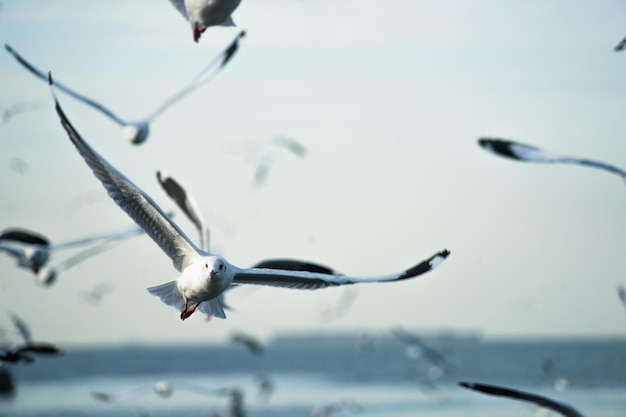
169	294
213	308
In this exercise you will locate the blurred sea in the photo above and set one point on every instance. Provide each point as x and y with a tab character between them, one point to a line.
308	371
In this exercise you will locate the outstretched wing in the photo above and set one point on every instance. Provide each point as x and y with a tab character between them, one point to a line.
188	205
43	76
124	394
203	77
313	280
562	408
523	152
130	198
24	236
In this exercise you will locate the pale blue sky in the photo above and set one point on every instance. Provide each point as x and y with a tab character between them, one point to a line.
390	99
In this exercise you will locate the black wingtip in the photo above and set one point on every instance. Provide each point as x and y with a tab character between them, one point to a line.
427	265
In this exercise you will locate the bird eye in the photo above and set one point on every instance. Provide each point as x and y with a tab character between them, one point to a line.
206	266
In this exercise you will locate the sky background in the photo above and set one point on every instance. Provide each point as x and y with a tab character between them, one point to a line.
389	99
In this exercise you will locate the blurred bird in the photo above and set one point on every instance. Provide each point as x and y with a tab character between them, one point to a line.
33	251
7	113
415	348
265	385
163	389
203	14
188	204
557	377
521	152
250	342
328	409
263	154
544	402
341	307
204	276
137	132
95	295
23	351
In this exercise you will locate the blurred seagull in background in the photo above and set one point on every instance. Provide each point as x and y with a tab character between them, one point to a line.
331	408
137	132
6	113
522	152
250	342
415	348
33	251
188	204
203	14
163	389
263	154
23	352
544	402
553	372
204	276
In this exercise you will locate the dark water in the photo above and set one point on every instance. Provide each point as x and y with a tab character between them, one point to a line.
309	371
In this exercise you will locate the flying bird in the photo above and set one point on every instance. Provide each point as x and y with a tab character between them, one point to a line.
415	348
250	342
545	402
263	154
6	113
188	205
23	351
552	371
331	408
163	389
137	131
204	276
203	14
33	251
522	152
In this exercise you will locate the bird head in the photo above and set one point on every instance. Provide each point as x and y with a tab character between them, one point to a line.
46	276
136	133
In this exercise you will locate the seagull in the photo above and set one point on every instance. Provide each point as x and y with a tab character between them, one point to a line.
555	374
620	46
560	407
22	353
188	205
263	154
96	294
33	251
265	385
335	407
204	276
137	132
252	343
163	389
416	348
6	113
205	13
522	152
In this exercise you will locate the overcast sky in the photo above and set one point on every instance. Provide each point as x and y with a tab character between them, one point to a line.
389	99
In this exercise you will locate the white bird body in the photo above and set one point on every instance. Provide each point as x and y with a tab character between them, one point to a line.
204	276
136	132
203	14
